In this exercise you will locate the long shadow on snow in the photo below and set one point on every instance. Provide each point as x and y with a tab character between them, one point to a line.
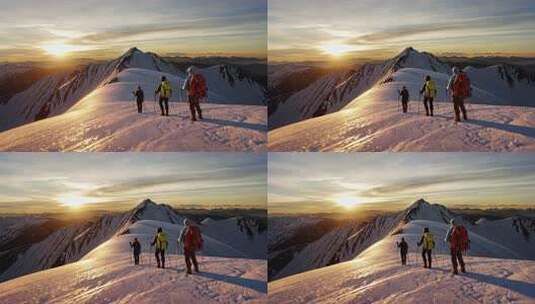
527	289
230	123
257	285
526	131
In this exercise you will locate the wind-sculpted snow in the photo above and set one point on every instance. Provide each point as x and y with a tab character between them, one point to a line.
376	276
107	275
107	120
374	122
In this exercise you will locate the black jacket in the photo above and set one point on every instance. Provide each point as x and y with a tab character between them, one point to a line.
404	95
139	95
137	247
404	247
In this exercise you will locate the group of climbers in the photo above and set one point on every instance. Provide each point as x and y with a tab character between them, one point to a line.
456	238
190	241
194	85
459	88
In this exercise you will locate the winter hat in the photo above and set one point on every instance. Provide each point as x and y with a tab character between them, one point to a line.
192	70
187	222
455	70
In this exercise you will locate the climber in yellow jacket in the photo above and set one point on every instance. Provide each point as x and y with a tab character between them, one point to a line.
429	90
427	242
165	91
160	241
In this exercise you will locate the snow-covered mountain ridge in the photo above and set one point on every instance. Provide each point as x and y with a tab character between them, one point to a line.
506	84
513	237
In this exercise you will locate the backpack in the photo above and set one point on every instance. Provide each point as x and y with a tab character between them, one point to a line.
461	86
161	241
198	86
165	89
430	89
429	242
193	239
459	238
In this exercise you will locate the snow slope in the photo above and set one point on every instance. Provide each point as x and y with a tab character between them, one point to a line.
227	231
374	122
106	275
376	276
107	120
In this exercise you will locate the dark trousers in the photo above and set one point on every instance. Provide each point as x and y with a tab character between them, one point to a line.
189	256
160	257
164	105
457	256
140	106
194	106
405	104
426	255
458	107
403	258
428	103
136	259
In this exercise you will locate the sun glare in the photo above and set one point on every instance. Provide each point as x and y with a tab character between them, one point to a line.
347	202
58	49
73	201
336	49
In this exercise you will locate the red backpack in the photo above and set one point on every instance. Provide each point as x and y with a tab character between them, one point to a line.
198	86
459	238
193	239
461	86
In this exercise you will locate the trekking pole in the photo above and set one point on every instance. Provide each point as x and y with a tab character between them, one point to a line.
419	101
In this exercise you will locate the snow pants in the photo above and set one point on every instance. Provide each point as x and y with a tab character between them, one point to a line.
426	256
428	103
189	256
403	258
139	106
405	105
136	259
458	107
457	259
164	105
194	106
160	257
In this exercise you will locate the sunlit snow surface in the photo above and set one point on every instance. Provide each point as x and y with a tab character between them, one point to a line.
107	120
374	122
376	276
107	275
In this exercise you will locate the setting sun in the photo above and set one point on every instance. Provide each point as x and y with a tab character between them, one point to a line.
73	201
336	49
58	49
347	202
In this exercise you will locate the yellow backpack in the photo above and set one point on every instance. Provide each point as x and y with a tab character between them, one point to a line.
161	241
429	242
165	89
430	88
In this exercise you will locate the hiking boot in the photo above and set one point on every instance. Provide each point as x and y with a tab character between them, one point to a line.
455	271
197	270
463	270
189	271
193	119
